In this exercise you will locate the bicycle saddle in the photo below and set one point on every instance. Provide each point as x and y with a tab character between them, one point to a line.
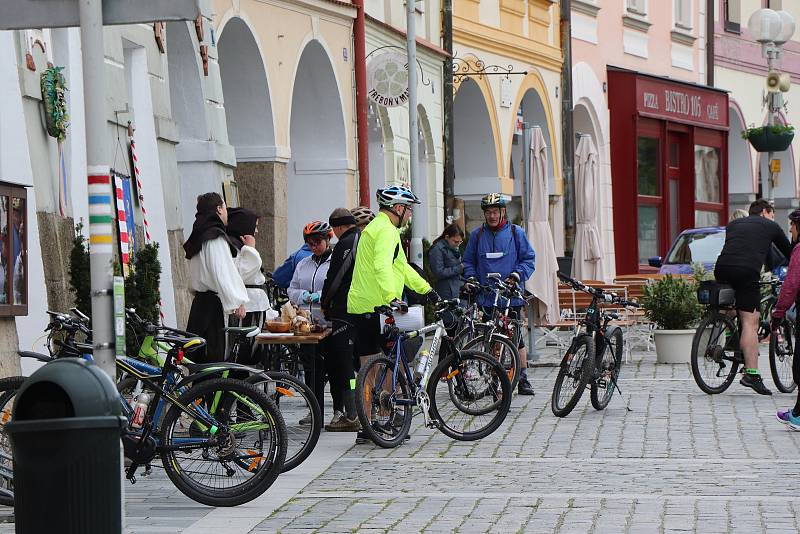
243	331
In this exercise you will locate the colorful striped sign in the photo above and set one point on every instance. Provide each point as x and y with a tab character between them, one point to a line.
101	224
122	220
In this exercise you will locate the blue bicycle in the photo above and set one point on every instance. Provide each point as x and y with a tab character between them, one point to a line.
466	396
222	441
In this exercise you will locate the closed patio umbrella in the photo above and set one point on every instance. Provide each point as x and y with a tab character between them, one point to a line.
586	264
544	282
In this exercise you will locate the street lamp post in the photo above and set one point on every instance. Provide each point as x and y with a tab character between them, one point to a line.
772	29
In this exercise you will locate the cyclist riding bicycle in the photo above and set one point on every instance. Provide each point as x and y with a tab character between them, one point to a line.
748	241
789	295
382	271
499	246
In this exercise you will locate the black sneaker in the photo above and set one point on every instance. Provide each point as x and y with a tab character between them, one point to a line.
755	383
525	388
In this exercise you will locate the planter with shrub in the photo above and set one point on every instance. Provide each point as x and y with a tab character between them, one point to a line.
775	138
671	305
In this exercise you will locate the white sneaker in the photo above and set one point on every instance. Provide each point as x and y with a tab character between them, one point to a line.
336	416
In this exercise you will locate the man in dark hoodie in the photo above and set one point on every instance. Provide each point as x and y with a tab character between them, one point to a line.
339	362
218	288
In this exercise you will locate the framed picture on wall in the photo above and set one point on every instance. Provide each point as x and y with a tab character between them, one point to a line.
230	191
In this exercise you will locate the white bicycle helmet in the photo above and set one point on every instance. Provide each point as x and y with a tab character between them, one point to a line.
394	195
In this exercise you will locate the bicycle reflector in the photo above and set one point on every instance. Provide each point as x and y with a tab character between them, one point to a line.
179	358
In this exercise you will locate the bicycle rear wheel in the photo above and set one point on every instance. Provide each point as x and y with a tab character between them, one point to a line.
781	358
295	400
503	350
234	463
714	360
575	371
608	366
384	410
479	382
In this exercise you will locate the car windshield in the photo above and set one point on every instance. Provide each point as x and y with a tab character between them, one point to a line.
696	247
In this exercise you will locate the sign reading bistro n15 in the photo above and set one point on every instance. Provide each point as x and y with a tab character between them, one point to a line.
387	79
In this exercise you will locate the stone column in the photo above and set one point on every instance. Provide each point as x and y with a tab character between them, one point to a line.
263	188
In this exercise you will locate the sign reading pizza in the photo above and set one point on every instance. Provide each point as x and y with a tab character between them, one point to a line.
387	79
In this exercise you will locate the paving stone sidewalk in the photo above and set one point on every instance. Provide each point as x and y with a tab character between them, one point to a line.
664	457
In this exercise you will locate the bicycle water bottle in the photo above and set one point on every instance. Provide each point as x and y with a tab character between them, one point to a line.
140	410
423	359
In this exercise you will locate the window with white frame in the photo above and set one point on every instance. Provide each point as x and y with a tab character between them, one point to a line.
683	14
638	7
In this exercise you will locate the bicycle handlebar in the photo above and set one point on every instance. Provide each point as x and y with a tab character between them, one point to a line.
607	296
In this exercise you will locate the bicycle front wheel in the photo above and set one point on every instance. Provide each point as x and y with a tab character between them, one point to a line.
781	358
503	350
479	382
8	391
384	409
229	464
714	347
296	401
608	366
575	371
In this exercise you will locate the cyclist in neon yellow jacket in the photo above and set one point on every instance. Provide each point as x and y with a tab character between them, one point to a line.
382	271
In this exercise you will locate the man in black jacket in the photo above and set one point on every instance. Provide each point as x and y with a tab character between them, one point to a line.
334	304
747	244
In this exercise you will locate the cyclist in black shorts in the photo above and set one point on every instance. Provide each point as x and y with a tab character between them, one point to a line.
747	242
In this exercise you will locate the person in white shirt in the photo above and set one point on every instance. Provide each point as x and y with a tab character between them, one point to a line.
218	288
305	291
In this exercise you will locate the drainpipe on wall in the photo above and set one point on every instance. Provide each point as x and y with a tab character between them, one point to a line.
447	76
360	59
567	132
710	42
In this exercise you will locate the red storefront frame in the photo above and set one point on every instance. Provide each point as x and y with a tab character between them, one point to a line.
676	119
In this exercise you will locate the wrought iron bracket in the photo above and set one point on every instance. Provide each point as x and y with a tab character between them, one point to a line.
425	81
463	69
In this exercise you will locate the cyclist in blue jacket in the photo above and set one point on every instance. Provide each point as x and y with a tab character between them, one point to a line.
499	246
283	274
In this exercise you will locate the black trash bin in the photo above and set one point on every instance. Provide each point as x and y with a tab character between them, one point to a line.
65	439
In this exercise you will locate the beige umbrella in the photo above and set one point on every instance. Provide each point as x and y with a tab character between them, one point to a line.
586	264
544	282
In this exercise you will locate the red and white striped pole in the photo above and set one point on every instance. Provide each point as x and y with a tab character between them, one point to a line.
140	192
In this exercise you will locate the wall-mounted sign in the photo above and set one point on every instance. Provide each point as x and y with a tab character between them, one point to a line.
682	103
387	79
506	95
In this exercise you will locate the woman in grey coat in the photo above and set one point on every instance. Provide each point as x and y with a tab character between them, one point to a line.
445	262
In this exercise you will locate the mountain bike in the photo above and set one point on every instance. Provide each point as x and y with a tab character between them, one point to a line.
594	356
293	397
716	354
466	396
497	334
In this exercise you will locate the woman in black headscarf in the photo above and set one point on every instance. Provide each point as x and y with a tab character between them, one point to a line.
218	288
242	229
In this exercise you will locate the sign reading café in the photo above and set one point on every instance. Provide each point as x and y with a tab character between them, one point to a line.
681	103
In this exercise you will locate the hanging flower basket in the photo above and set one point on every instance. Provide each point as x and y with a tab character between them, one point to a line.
54	89
770	138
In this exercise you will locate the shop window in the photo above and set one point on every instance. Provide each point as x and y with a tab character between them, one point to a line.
650	198
649	183
13	251
708	186
683	14
732	10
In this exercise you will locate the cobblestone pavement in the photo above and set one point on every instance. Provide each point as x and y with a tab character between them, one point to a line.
664	457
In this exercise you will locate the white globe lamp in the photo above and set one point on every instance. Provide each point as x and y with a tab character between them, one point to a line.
765	25
787	27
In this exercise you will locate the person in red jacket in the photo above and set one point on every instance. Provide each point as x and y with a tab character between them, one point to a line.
790	291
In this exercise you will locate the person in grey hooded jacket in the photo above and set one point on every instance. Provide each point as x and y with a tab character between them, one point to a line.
445	262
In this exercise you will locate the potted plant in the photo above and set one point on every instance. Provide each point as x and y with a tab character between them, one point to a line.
776	138
671	305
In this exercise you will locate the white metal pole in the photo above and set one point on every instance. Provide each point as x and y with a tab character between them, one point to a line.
100	199
527	137
417	232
